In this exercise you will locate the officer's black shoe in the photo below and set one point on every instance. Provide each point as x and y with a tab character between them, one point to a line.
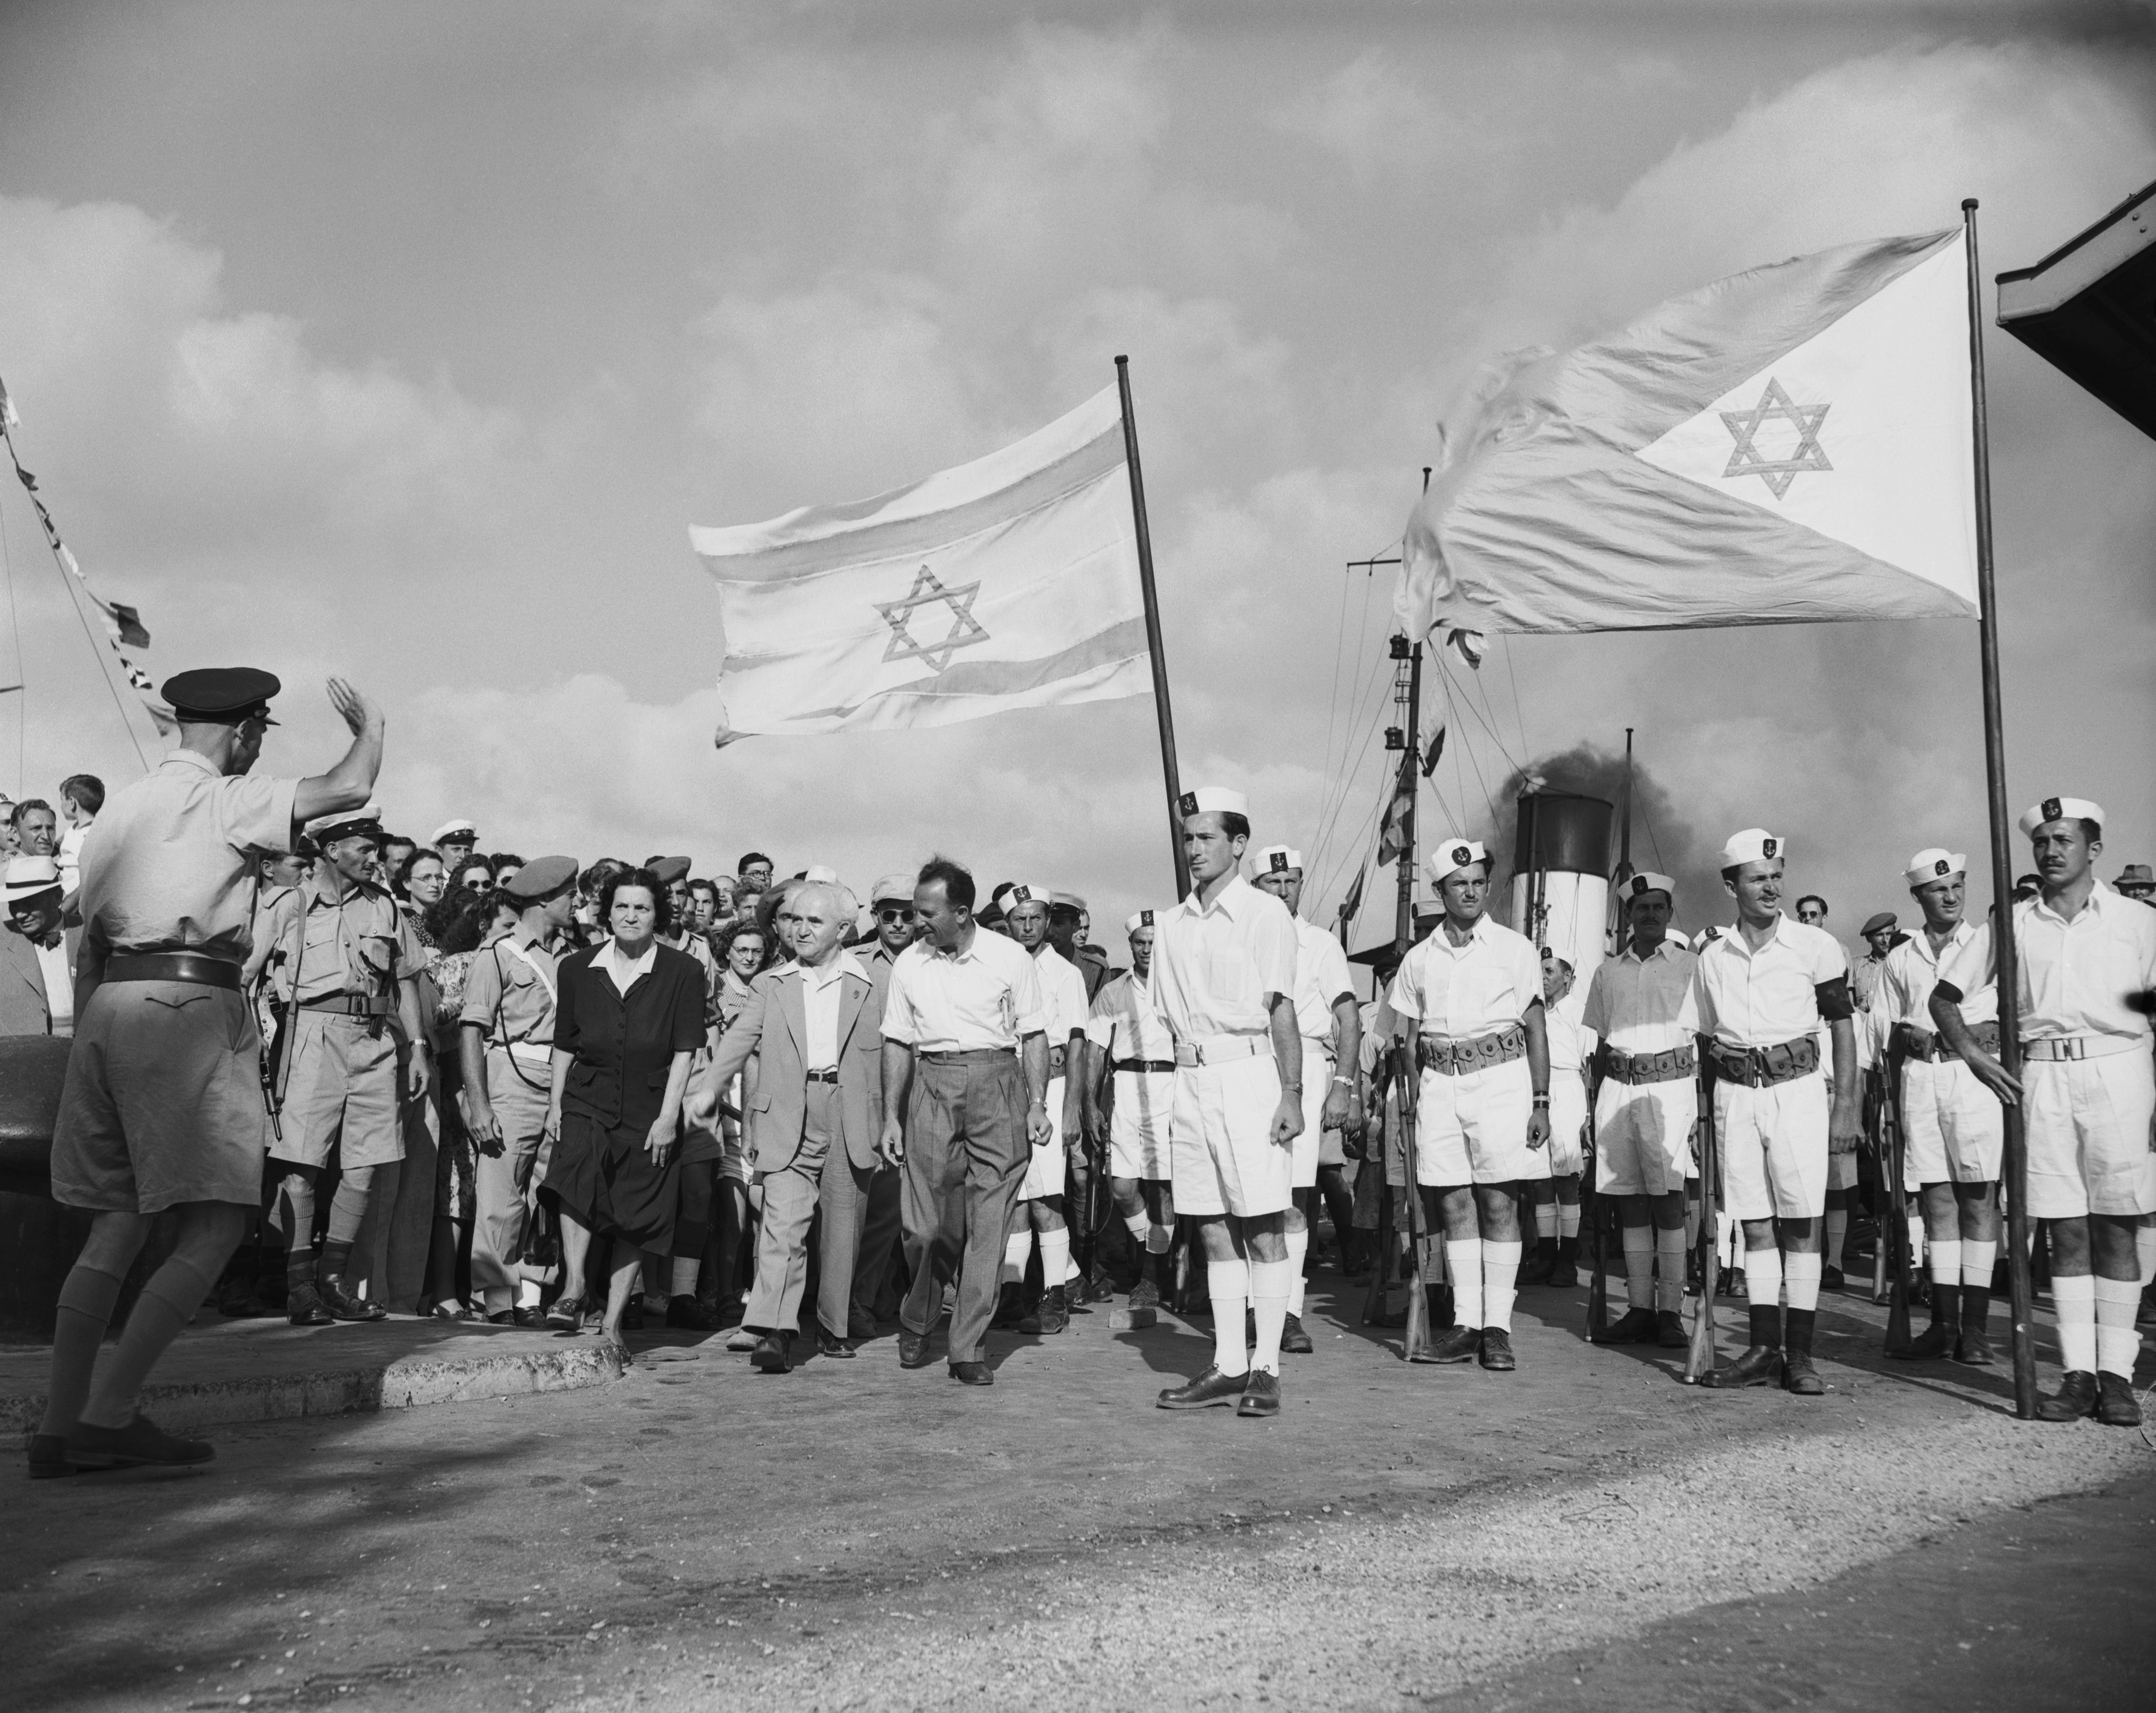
533	1317
1208	1388
685	1313
1670	1330
1052	1316
772	1354
913	1349
1294	1340
1974	1349
142	1444
1536	1269
827	1346
973	1373
1633	1326
1260	1394
1830	1278
1934	1341
49	1458
1496	1353
345	1306
1800	1376
303	1307
2116	1405
1565	1273
860	1324
1759	1366
2076	1397
1456	1344
1010	1309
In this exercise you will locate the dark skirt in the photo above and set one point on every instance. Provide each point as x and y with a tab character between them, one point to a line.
606	1179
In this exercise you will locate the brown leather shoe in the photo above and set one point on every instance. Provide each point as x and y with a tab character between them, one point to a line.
1934	1341
1294	1340
772	1354
1974	1349
1496	1353
304	1307
1670	1332
973	1373
1633	1326
1801	1378
2115	1405
345	1306
2076	1397
1209	1388
1759	1366
1457	1345
913	1349
1260	1394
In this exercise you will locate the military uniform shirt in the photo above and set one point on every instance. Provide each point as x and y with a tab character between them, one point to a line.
1063	991
1643	1005
1124	1024
1465	991
2075	976
510	1000
1321	976
168	864
1910	971
322	945
1747	999
1213	964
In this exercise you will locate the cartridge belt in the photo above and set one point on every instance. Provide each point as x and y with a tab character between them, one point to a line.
1931	1048
1762	1067
1450	1055
1667	1066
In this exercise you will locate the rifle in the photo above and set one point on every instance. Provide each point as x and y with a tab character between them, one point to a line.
1416	1342
1598	1286
1700	1361
274	1064
1883	1204
1895	1155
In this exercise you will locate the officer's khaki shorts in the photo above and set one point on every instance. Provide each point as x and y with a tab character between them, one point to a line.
164	1101
343	1092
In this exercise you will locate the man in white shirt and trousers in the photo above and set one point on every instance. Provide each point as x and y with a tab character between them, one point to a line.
1224	981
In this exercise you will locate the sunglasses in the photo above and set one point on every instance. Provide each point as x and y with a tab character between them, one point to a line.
895	914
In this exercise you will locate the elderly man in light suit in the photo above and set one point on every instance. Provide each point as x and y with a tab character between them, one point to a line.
37	954
816	1028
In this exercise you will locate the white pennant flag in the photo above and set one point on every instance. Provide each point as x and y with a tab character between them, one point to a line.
1009	582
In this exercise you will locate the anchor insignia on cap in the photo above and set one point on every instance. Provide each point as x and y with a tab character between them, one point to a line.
1145	919
1280	862
1768	847
1462	856
1187	802
2052	808
1941	866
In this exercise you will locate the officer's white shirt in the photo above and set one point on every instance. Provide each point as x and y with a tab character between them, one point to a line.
1125	1025
1464	991
1213	964
821	990
2075	975
982	998
1571	1043
1321	976
1750	998
1911	971
1643	1005
1063	995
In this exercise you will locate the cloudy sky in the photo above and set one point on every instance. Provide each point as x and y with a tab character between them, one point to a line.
405	341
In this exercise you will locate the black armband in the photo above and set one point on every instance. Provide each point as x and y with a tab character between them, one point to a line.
1834	1004
1948	992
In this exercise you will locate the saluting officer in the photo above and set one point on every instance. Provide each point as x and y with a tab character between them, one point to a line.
506	1042
1640	1006
1762	989
345	963
162	1106
1473	990
1330	1023
1131	1053
1224	980
2088	1093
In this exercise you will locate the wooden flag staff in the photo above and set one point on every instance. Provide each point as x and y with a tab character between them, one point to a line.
1170	775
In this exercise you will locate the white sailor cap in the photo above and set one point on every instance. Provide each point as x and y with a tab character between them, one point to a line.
1067	901
27	876
1935	862
447	827
1645	881
818	875
1278	859
327	829
1450	854
1011	897
1754	844
1144	919
1213	800
2061	809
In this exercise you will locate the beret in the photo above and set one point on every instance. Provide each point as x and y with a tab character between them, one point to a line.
1878	924
669	870
540	878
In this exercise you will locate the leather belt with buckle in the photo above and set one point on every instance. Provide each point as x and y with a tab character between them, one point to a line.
195	967
822	1077
1154	1065
1461	1056
347	1005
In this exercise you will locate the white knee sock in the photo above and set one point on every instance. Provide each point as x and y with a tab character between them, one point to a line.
1567	1219
1017	1252
1501	1270
1228	1283
1055	1258
2144	1252
1137	1224
1915	1241
1763	1278
1464	1260
2074	1296
1545	1219
1269	1294
1978	1262
1298	1248
1945	1262
1670	1254
1837	1234
1800	1275
1638	1266
2116	1343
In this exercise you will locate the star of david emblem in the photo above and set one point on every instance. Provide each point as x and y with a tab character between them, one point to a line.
927	592
1748	460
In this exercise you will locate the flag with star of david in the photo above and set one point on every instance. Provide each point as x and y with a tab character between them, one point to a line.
1787	445
1009	582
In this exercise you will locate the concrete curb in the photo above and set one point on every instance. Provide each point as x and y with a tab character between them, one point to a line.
399	1382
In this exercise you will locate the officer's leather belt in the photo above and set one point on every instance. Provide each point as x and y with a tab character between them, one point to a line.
195	967
1451	1055
2057	1048
1762	1067
1932	1048
1222	1050
1667	1066
821	1076
347	1005
1144	1064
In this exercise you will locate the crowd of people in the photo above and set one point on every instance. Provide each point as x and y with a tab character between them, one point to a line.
539	1093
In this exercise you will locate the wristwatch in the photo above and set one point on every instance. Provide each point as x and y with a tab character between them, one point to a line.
1541	1100
1345	1082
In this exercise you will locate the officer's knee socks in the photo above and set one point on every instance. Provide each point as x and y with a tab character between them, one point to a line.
167	1303
85	1310
294	1215
347	1210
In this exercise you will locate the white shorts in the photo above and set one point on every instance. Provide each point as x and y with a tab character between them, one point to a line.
1953	1130
1567	1117
1643	1136
1473	1128
1044	1170
1772	1145
1137	1127
1225	1159
2087	1124
1317	1085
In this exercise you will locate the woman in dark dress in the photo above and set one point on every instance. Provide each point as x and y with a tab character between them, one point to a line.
627	1019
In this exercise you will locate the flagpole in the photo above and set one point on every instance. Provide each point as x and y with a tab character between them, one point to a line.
1164	714
1404	922
2007	954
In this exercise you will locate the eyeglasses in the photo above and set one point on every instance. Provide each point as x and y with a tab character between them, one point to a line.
904	914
